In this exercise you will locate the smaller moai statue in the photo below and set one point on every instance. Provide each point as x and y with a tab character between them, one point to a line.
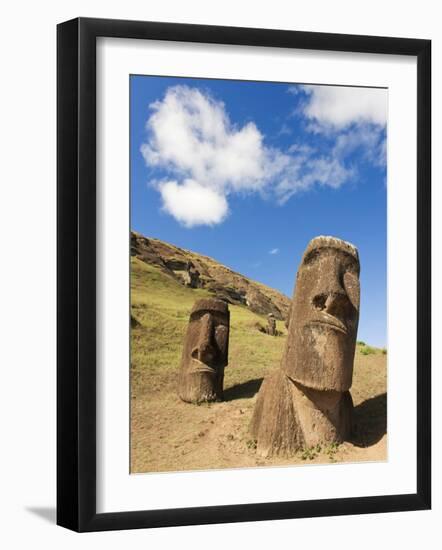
271	324
307	400
205	352
194	276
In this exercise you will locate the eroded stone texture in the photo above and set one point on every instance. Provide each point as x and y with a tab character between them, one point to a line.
307	401
205	352
271	324
191	276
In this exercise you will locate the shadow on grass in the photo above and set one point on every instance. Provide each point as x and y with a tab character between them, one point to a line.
369	421
243	390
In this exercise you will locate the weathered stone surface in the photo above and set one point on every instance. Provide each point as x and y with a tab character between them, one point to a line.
324	318
317	366
193	276
226	292
189	275
271	324
198	271
275	423
176	264
205	352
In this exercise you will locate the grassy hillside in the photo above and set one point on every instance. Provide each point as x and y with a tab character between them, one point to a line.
167	434
200	271
161	305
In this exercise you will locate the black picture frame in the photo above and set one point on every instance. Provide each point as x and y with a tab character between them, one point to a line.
76	274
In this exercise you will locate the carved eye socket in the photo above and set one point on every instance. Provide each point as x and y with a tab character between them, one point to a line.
352	287
221	336
319	301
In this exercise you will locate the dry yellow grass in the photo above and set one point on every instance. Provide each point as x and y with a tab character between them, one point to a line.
169	435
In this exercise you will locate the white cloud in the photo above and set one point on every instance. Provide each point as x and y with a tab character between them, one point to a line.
350	119
326	171
192	204
370	139
207	158
301	148
341	106
274	251
285	130
191	134
295	89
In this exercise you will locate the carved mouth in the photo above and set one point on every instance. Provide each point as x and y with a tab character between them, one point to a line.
198	367
330	322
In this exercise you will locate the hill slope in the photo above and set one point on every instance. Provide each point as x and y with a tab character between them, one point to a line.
160	308
198	271
167	434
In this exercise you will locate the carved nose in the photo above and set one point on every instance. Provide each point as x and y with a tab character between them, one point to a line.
330	295
205	351
336	304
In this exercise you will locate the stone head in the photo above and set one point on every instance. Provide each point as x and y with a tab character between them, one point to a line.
207	337
205	351
324	316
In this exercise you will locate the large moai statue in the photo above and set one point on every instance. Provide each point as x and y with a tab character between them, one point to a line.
307	400
205	352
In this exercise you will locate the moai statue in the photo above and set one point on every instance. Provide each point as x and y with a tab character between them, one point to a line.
271	321
194	276
306	401
205	352
191	276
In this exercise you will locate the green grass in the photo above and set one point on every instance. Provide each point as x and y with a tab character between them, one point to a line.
169	435
367	350
364	349
161	305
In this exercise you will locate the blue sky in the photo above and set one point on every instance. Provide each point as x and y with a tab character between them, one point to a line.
249	172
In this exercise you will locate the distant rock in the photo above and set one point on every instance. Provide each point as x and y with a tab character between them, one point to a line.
198	271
